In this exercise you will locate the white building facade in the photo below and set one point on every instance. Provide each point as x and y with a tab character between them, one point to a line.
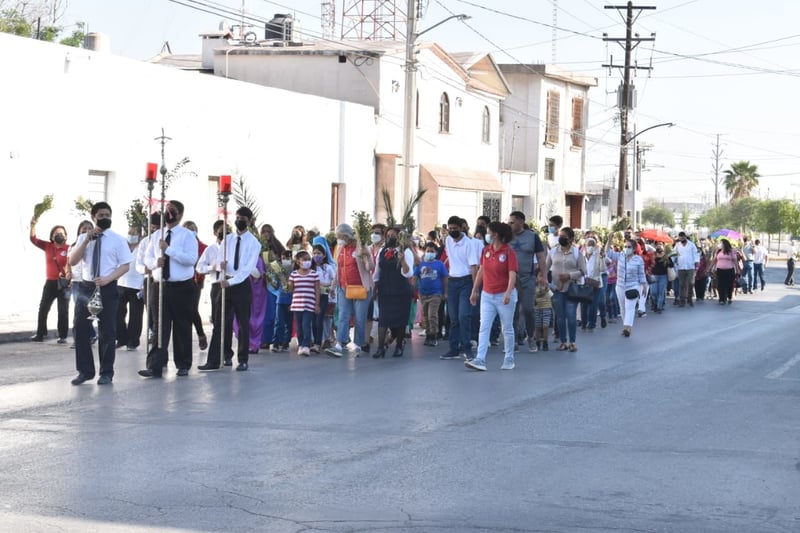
82	123
543	159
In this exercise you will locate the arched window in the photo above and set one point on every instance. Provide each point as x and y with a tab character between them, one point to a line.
444	114
486	132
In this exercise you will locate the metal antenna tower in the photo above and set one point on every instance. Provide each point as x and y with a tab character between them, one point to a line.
554	34
328	19
373	20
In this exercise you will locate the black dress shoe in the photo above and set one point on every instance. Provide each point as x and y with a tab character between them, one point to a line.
228	362
183	372
81	378
398	351
37	338
147	373
379	353
104	380
241	367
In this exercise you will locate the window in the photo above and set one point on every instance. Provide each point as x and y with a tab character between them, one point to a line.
491	205
487	126
550	169
97	186
553	116
577	122
444	114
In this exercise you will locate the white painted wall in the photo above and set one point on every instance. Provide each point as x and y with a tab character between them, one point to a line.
68	111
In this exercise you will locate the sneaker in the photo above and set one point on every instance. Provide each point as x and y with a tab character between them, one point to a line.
434	342
335	350
276	348
603	322
508	364
467	355
314	348
62	340
532	347
450	356
494	343
304	350
476	364
545	347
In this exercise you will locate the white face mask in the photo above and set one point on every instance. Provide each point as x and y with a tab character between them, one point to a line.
305	264
590	250
376	238
341	242
133	239
286	263
628	251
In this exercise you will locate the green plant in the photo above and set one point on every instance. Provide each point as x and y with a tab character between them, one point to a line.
83	206
362	225
136	215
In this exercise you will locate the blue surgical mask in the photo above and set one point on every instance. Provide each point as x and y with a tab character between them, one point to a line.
430	256
488	238
551	230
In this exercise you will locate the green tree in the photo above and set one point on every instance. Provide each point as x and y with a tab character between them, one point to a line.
744	213
76	39
715	218
684	217
37	19
769	218
658	215
741	179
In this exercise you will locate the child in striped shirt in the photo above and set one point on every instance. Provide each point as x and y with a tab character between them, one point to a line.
304	286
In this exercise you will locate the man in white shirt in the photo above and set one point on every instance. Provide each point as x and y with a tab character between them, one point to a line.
688	259
760	260
141	268
131	299
463	255
242	250
208	265
791	252
171	255
104	257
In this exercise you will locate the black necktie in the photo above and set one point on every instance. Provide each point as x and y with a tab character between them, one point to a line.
96	256
165	269
236	254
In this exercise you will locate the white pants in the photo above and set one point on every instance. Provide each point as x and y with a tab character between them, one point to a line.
627	307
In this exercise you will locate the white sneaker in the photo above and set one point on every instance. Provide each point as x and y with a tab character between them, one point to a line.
476	364
335	350
532	345
303	351
508	364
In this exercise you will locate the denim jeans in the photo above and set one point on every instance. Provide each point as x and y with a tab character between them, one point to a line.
747	276
589	310
283	325
460	311
758	274
491	306
659	291
305	323
358	310
319	320
612	303
566	316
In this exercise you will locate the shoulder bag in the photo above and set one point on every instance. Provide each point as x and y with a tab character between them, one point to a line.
580	293
353	292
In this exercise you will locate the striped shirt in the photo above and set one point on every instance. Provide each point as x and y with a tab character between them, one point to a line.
304	297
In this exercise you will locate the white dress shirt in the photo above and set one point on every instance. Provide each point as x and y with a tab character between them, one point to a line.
182	252
114	252
249	251
209	262
132	279
462	255
688	255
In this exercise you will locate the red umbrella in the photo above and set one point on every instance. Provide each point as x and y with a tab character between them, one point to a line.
656	235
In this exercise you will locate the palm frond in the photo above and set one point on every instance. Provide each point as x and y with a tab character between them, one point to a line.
408	222
387	205
245	198
178	171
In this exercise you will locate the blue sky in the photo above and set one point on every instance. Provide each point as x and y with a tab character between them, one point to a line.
719	66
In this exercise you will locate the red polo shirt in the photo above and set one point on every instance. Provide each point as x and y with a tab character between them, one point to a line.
53	250
496	264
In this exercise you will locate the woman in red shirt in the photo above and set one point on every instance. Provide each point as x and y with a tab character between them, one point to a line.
56	263
498	275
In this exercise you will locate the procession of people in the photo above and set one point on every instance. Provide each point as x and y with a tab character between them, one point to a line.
499	283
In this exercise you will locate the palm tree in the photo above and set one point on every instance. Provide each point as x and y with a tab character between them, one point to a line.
741	179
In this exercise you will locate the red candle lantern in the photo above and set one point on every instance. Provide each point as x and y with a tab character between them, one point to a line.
152	172
225	184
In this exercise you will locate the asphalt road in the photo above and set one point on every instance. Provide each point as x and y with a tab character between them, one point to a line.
692	424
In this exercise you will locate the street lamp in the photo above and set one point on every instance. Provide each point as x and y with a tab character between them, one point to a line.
406	189
624	168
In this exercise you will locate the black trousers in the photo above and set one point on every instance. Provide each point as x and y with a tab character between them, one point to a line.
50	292
238	299
177	318
725	279
106	329
197	320
789	272
129	333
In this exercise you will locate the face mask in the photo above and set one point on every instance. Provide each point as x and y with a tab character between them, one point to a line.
104	223
563	241
133	239
170	216
454	233
392	242
59	239
241	225
376	238
286	263
305	264
683	241
719	246
341	242
551	230
590	250
219	236
318	259
488	238
430	256
628	251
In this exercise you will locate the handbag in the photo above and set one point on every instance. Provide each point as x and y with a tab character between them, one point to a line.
580	293
671	274
631	294
355	292
63	284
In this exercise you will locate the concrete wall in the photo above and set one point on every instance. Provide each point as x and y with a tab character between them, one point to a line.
68	111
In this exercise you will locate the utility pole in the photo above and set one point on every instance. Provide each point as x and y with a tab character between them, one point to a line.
629	43
717	153
406	187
